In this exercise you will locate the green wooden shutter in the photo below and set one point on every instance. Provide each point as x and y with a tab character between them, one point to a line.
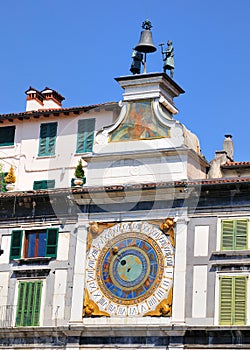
234	234
43	140
16	244
38	185
51	242
29	301
47	139
85	136
225	316
240	234
240	290
21	303
233	300
43	184
37	293
50	183
227	234
7	135
52	138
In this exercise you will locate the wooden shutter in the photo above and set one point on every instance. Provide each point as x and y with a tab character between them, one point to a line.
28	306
234	234
38	185
50	183
240	234
43	184
7	135
51	242
240	290
52	138
16	244
43	140
233	300
225	316
20	303
85	136
47	139
227	234
36	304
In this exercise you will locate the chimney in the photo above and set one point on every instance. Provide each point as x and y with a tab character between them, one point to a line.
221	157
52	99
34	100
228	147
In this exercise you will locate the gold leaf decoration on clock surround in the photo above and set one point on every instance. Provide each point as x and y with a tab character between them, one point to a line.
90	308
164	308
95	229
167	227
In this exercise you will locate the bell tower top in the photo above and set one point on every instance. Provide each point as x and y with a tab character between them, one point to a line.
151	86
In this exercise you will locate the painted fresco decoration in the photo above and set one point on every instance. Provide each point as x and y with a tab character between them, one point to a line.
129	270
140	123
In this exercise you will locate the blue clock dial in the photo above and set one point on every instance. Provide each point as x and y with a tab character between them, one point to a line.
130	268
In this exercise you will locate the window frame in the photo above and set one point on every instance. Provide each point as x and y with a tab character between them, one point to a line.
85	136
10	143
35	247
44	146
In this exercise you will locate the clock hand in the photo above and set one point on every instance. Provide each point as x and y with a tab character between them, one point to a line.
123	263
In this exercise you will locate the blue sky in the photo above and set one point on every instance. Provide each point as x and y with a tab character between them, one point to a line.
78	47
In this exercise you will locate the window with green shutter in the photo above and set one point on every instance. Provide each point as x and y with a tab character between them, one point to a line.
233	300
85	135
7	135
28	305
234	234
37	243
43	184
47	142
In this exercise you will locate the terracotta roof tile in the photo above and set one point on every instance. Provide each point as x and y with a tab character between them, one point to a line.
236	165
51	111
117	188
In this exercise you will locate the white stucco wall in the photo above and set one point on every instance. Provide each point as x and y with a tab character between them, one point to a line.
23	155
4	283
59	296
33	105
142	169
199	291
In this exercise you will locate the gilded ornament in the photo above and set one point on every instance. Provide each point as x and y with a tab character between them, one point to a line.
164	308
90	308
168	228
95	229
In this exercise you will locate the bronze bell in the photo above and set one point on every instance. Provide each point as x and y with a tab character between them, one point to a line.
145	43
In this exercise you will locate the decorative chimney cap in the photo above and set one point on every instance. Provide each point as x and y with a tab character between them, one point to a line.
47	92
32	90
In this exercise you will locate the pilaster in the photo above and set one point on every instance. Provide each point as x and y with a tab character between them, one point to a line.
178	315
79	269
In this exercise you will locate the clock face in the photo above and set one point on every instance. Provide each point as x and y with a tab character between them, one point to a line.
130	268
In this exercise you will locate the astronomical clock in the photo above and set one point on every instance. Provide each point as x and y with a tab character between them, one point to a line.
129	269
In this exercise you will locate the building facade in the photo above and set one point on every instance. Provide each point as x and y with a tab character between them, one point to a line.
151	252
